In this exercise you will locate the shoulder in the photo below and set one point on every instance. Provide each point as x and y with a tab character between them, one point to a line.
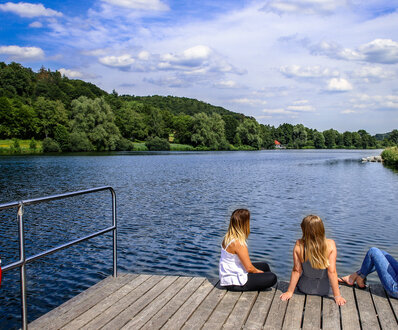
298	246
331	244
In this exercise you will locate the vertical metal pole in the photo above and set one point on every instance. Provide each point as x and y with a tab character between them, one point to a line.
114	232
22	257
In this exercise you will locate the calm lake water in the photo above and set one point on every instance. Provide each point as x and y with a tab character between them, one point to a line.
174	208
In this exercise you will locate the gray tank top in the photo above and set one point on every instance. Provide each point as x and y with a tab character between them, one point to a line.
313	281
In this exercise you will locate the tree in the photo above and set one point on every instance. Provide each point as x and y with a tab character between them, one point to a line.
130	122
208	131
284	134
356	140
393	138
182	125
299	136
96	120
157	144
62	136
330	138
50	114
248	133
319	140
347	139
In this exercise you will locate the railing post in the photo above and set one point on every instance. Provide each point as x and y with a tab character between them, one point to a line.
22	257
114	233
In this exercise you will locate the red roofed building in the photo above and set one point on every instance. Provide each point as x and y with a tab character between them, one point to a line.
278	145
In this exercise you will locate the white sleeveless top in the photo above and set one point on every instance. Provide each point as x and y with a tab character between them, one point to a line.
231	270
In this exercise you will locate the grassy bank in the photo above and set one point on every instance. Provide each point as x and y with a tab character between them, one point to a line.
390	156
12	147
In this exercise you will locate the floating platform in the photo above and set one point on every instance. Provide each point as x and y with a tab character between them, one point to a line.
133	301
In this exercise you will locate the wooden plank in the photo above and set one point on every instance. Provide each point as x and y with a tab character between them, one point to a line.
162	316
189	306
394	304
260	309
238	316
294	311
330	314
366	310
222	311
123	303
145	315
312	313
128	313
81	303
349	313
103	305
383	308
202	313
277	311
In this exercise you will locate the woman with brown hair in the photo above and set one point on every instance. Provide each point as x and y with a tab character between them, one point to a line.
314	257
237	273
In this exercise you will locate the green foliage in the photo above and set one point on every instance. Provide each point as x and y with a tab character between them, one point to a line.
49	145
62	136
95	119
16	147
393	137
248	133
208	131
80	142
33	144
299	136
319	140
125	145
390	156
157	144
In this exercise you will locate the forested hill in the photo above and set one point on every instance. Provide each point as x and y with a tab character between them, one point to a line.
73	115
178	105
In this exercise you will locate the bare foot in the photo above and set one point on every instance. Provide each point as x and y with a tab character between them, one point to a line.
360	281
349	279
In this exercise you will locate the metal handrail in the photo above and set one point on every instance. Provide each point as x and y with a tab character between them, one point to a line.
23	260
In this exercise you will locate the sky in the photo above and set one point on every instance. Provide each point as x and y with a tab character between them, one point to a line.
322	63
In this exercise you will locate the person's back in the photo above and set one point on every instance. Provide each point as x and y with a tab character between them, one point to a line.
312	280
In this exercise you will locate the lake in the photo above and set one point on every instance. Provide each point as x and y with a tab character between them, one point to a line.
174	208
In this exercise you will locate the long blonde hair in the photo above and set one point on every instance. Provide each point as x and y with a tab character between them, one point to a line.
239	227
314	241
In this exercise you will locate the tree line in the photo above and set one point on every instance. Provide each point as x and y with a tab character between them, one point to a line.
72	115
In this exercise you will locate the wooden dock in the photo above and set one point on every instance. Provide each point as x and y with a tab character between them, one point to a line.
133	301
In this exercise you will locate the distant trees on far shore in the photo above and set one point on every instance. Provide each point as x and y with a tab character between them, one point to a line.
72	115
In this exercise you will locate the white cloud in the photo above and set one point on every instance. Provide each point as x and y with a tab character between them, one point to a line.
70	73
122	61
144	55
251	102
278	111
22	53
339	85
375	102
383	51
309	7
155	5
373	73
168	82
348	112
380	51
36	24
301	108
191	57
226	84
316	71
25	9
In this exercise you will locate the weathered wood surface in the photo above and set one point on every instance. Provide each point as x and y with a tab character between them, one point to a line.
134	301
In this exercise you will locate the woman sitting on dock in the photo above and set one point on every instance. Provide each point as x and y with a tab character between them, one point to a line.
237	273
386	267
314	256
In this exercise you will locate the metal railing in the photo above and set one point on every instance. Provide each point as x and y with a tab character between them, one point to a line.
23	260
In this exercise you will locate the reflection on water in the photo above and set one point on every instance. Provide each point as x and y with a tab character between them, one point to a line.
173	209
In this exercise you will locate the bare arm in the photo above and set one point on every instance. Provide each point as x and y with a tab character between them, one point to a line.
296	273
243	254
332	274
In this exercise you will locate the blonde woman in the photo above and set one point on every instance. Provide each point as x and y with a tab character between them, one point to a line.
314	257
237	273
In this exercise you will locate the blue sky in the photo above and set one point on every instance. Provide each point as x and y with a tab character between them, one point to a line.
323	63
